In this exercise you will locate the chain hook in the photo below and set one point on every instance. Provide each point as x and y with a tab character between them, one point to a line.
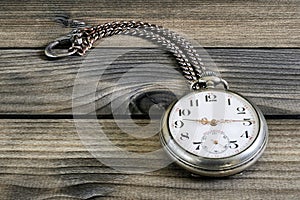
71	23
53	50
56	49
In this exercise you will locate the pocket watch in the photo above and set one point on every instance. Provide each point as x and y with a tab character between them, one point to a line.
211	131
214	132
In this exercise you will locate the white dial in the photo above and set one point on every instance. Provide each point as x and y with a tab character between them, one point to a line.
213	124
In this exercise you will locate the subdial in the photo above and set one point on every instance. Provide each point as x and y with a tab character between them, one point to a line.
215	141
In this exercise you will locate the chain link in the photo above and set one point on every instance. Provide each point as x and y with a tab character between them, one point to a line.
83	37
186	56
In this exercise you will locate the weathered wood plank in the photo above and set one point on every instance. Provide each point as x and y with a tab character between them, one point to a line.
46	159
210	23
29	83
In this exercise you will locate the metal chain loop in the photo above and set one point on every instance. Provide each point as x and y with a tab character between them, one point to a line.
83	38
186	56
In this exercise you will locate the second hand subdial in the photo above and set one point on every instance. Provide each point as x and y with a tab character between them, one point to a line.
215	142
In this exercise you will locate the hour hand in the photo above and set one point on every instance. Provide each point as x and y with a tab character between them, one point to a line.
203	121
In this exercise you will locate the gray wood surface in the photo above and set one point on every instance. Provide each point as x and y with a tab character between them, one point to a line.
45	158
211	23
32	84
254	44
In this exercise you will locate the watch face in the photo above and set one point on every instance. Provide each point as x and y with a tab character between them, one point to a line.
213	123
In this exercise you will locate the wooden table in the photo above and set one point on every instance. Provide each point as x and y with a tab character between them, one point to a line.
254	44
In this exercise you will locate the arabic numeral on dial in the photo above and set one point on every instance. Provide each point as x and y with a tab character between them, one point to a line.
241	110
246	134
233	144
247	122
198	145
229	101
194	102
210	98
184	112
178	124
184	136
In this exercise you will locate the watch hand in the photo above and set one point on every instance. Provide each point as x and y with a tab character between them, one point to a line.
201	121
204	121
233	120
214	122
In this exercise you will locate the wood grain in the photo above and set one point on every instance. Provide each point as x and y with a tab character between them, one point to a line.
45	159
255	45
210	23
31	84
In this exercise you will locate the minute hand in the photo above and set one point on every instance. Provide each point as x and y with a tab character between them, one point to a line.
233	120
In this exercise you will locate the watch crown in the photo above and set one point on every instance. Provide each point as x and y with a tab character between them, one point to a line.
209	82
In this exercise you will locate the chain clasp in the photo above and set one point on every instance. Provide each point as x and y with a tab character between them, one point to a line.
62	47
53	49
